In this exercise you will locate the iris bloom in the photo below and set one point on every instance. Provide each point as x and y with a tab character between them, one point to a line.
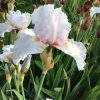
51	29
15	20
94	10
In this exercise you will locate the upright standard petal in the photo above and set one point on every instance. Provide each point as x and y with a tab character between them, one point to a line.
4	27
19	20
26	45
51	24
75	49
94	10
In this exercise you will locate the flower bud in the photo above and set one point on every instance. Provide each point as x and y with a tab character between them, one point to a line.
23	69
8	74
47	59
11	6
20	77
11	1
96	2
26	64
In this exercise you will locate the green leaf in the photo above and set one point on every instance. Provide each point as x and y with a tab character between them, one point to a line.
3	95
57	58
59	94
57	89
91	94
75	90
57	77
4	86
50	93
67	81
39	64
33	81
19	96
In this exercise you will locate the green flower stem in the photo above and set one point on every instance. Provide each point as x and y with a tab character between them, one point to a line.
10	90
22	89
17	85
13	36
41	84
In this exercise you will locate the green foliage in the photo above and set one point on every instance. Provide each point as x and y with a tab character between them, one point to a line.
64	81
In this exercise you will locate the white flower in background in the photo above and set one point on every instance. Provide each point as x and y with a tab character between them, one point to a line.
94	10
15	20
52	29
7	54
48	99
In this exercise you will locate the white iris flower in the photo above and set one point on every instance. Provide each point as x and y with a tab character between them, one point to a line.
15	20
51	29
94	10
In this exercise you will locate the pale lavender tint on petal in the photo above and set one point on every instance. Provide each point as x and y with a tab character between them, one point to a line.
26	45
75	49
5	27
25	32
51	24
19	20
7	48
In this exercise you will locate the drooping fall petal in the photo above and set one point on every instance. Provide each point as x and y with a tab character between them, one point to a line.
26	45
75	49
4	27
